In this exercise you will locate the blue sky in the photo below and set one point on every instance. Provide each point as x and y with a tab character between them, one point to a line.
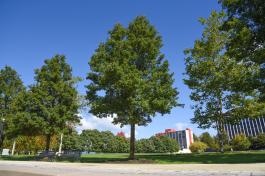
31	31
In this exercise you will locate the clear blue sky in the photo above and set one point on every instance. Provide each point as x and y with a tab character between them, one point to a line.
31	31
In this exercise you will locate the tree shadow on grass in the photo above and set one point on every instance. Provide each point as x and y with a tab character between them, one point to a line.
208	158
203	158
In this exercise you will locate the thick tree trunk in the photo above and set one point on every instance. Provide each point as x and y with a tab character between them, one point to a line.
48	141
132	142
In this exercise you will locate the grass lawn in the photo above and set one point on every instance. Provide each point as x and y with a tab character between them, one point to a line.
203	158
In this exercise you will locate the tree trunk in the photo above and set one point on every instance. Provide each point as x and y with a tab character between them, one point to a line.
221	123
221	136
61	144
48	141
132	142
14	147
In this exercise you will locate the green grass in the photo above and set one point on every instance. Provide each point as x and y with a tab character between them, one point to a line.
203	158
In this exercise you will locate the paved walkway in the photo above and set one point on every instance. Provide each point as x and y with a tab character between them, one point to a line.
84	169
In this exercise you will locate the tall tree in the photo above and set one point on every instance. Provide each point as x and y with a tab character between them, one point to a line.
130	79
10	86
247	44
215	79
54	98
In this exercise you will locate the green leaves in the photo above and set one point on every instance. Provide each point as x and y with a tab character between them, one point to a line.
130	77
246	44
131	74
51	104
217	79
56	95
10	86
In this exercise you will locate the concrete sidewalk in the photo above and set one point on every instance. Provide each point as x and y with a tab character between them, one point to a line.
84	169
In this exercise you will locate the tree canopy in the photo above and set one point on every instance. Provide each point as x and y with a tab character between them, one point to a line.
51	104
129	77
10	86
247	42
216	79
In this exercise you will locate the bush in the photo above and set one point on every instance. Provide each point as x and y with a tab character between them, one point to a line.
257	142
198	147
240	143
227	148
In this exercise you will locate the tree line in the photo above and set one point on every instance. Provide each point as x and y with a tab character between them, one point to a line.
130	80
94	141
206	142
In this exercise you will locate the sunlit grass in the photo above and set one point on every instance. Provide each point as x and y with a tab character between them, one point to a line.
202	158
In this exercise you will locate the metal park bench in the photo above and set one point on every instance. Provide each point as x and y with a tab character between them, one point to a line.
72	155
50	155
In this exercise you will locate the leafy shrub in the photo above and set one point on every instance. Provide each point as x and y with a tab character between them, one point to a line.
240	143
198	147
227	148
257	142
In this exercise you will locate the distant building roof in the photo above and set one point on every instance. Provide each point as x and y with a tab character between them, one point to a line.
121	134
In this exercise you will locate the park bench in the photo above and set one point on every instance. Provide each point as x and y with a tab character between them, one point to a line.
69	154
50	155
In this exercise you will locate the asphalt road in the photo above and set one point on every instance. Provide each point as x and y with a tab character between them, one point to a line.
25	168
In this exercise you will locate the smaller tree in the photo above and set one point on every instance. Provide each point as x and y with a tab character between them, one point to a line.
164	144
159	145
72	141
197	147
122	144
91	139
10	86
54	97
240	143
145	146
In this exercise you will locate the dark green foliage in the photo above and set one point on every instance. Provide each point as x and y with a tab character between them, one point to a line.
10	86
92	140
145	146
247	44
72	141
258	142
51	104
161	144
214	78
170	144
130	78
240	143
105	141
